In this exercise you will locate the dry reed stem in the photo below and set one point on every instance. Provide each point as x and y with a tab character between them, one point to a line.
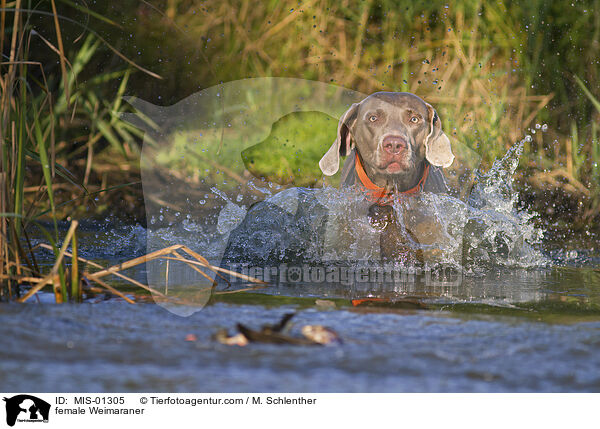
223	270
573	186
135	261
61	50
3	222
113	290
203	260
167	279
50	276
122	276
162	252
543	102
164	203
58	298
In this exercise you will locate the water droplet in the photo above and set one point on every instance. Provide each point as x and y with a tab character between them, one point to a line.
544	127
538	126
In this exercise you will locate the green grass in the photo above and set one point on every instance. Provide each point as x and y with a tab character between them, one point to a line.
291	152
47	121
492	70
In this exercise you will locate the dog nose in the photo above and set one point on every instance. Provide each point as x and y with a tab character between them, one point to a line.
394	144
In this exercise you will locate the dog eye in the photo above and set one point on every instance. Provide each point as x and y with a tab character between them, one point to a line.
414	119
373	118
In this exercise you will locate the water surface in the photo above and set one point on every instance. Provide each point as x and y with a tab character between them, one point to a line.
114	346
524	315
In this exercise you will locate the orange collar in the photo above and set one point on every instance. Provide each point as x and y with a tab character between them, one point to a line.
377	193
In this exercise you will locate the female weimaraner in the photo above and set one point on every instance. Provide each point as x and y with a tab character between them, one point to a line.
394	145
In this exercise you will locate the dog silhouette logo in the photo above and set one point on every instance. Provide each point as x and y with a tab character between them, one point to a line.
26	408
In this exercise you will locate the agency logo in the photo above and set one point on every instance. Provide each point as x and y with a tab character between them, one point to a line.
239	164
26	408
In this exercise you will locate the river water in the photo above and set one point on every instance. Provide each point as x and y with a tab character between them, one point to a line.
524	315
114	346
511	330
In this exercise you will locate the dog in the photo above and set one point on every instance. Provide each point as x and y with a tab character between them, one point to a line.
395	148
395	144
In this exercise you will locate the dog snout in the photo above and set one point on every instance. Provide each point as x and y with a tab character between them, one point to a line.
394	144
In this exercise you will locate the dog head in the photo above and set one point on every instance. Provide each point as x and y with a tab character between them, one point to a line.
393	133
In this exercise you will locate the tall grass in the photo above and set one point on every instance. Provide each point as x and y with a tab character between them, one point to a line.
493	69
47	118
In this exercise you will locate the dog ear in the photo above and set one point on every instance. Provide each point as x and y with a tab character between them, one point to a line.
330	163
438	150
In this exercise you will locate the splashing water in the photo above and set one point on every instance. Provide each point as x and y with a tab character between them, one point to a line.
325	225
501	234
329	225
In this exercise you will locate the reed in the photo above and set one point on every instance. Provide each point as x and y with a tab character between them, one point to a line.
493	69
42	117
592	147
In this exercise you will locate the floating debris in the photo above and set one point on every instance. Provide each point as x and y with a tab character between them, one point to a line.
271	337
325	304
275	334
321	334
223	337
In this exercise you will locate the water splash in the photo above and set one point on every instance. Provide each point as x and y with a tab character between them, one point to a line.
329	225
302	225
498	233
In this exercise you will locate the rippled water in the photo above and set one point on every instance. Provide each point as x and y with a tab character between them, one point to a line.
113	346
524	314
511	329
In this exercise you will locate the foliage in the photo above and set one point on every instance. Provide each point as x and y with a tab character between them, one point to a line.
49	121
492	69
